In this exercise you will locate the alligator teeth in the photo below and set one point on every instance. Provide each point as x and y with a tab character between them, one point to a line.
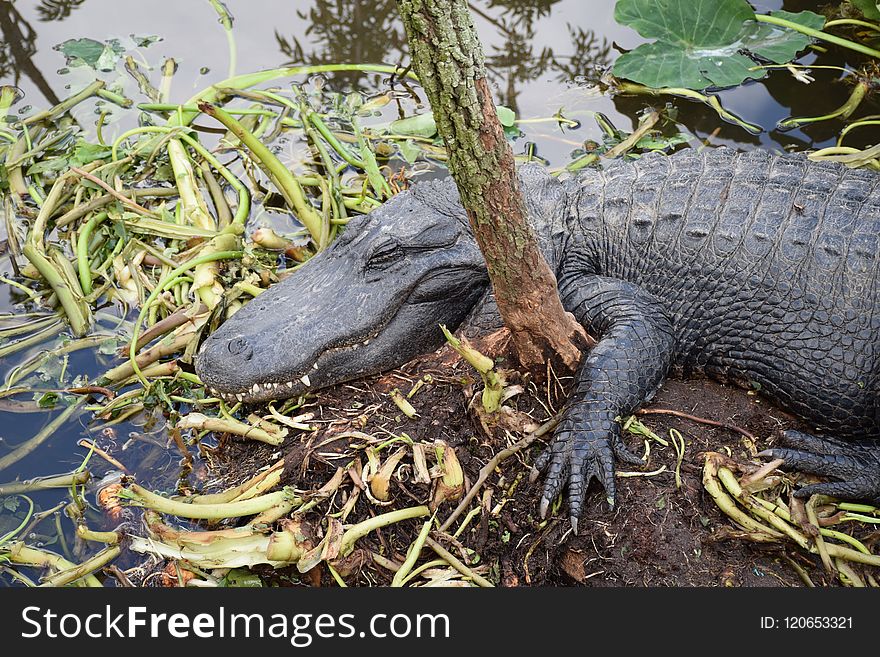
255	389
305	380
239	396
315	366
365	342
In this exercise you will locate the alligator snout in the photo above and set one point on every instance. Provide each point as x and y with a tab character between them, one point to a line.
225	360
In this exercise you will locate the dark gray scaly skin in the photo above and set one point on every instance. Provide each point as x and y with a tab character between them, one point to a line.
753	268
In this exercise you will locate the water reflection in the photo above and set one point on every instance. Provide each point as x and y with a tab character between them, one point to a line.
363	31
19	46
57	10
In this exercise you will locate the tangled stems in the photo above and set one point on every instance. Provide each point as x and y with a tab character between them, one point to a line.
248	80
161	287
280	174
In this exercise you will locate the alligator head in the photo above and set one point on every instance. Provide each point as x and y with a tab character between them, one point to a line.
368	303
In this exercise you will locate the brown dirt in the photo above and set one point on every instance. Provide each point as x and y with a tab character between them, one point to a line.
658	534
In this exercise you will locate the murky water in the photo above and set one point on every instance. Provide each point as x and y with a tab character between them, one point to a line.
543	56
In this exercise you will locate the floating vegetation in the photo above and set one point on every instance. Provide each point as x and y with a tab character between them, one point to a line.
704	46
133	248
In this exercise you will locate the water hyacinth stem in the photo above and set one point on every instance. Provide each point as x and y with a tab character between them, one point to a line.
273	167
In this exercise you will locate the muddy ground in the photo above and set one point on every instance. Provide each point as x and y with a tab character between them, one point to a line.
658	534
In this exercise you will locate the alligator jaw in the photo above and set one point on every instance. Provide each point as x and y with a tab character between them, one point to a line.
273	390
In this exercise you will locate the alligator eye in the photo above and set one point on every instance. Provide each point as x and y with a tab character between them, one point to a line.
240	347
384	255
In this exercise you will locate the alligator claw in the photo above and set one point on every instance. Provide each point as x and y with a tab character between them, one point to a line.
575	458
856	468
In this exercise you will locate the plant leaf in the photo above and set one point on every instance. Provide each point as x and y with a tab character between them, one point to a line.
781	45
869	8
663	64
506	116
84	153
689	23
420	125
704	43
95	54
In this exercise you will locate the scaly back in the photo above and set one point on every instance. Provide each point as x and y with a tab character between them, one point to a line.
767	265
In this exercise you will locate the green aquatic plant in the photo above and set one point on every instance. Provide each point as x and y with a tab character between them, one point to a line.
707	43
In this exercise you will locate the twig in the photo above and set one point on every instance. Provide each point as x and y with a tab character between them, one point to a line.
90	445
489	468
694	418
120	197
453	561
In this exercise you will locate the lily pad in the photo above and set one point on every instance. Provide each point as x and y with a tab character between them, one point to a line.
704	43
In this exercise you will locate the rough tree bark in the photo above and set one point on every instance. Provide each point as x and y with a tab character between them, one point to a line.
448	58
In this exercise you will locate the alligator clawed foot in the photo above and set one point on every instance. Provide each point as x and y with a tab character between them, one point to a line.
574	459
854	467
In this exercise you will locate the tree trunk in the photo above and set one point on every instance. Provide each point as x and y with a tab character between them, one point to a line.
448	58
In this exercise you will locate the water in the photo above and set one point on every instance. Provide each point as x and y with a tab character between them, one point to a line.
542	57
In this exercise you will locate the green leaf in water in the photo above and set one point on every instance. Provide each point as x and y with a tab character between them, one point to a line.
47	166
47	400
780	45
95	54
145	41
420	125
701	43
423	125
409	150
108	347
869	8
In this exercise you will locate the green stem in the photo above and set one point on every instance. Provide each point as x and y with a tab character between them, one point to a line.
244	199
78	318
115	98
852	21
43	334
844	111
22	554
274	168
89	342
86	568
82	251
160	287
65	105
47	432
412	555
350	537
453	561
708	99
818	34
45	483
145	498
248	80
226	22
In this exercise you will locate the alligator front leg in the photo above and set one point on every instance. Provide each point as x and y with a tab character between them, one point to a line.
620	373
856	468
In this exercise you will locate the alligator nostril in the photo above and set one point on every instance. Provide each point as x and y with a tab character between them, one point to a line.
240	347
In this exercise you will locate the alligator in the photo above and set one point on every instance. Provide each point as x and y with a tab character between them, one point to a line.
754	268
